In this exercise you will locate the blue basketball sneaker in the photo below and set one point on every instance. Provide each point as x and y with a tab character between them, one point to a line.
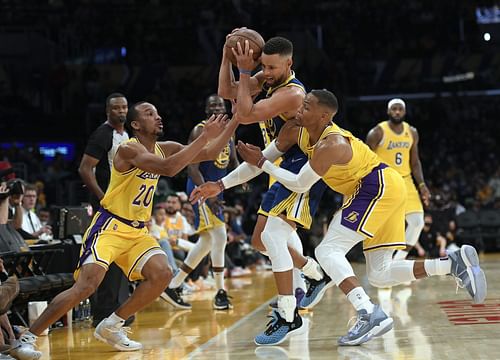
367	326
278	330
467	273
315	291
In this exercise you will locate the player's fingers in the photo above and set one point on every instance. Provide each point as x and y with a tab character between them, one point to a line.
240	49
247	46
235	52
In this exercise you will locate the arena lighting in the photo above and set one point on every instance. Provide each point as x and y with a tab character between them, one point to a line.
486	36
458	77
426	95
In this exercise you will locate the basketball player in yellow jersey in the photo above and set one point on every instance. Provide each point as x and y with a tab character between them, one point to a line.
396	142
117	233
373	212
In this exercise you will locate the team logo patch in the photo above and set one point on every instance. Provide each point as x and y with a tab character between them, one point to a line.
135	223
352	217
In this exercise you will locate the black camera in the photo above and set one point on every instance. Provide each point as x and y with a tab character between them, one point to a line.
14	186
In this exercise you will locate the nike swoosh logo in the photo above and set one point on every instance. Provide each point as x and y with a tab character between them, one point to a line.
295	160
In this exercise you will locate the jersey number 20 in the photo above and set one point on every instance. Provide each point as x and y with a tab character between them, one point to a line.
144	196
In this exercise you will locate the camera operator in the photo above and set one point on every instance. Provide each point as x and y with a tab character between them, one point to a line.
9	288
15	203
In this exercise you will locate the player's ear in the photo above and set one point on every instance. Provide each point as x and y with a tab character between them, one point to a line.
289	62
135	125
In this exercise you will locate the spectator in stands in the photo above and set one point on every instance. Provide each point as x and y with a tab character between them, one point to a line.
95	171
44	216
31	223
176	225
431	243
158	231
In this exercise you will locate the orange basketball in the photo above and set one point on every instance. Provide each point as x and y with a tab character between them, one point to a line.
255	40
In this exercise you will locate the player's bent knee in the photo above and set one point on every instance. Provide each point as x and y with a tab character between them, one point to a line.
277	250
84	289
381	280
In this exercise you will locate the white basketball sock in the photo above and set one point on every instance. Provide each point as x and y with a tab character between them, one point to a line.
219	279
360	300
178	279
312	269
441	266
286	306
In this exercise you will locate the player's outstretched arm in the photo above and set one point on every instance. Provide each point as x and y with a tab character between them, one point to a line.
243	173
220	138
332	150
178	156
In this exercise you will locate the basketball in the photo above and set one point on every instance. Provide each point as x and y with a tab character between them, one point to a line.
255	40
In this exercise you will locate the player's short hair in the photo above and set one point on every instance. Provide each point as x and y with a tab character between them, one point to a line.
278	45
113	96
326	98
132	115
214	95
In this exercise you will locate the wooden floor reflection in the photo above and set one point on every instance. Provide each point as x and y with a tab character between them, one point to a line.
432	321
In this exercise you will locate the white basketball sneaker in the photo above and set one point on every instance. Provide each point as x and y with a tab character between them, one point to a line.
116	336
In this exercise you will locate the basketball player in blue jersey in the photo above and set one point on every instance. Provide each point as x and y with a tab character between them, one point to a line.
117	232
281	209
209	218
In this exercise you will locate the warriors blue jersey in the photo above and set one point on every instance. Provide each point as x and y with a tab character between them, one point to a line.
271	127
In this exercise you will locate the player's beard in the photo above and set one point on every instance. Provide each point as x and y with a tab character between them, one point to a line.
122	119
159	134
396	121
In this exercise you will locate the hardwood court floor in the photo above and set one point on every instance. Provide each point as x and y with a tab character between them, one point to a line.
431	321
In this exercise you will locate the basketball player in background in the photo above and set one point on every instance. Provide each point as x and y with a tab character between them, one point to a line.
95	171
117	232
281	210
396	142
209	218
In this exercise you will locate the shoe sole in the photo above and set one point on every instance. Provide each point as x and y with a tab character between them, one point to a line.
476	274
228	307
379	330
116	346
318	298
173	303
297	331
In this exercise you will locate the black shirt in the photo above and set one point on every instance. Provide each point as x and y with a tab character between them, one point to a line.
102	145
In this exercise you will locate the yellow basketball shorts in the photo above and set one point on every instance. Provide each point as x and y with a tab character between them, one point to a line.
413	202
376	209
205	219
109	240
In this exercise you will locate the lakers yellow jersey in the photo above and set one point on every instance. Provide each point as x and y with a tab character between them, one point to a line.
130	193
174	226
343	178
394	149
